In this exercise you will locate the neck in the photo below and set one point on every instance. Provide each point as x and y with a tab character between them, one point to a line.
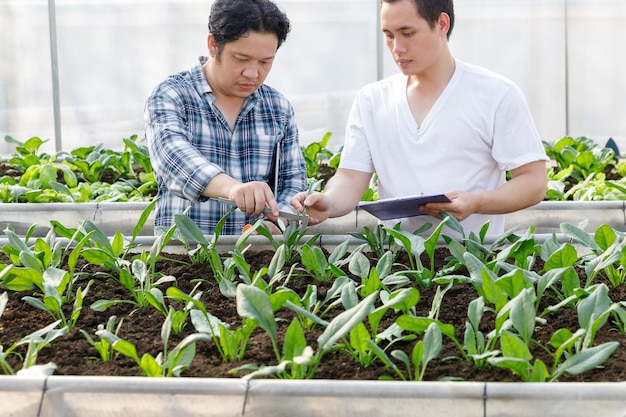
435	76
228	104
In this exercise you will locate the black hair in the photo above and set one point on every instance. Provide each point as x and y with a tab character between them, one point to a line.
231	19
430	10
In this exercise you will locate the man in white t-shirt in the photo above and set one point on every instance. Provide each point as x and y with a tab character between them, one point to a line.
441	126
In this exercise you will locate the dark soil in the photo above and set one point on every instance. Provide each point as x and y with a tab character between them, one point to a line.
9	171
73	355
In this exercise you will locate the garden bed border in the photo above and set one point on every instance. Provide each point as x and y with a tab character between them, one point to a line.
88	396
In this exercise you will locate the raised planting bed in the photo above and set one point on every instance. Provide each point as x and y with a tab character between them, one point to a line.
111	217
547	216
530	324
61	396
554	300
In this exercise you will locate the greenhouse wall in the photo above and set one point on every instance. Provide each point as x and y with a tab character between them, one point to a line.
78	72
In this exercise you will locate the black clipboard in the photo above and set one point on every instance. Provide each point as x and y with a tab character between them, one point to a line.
395	208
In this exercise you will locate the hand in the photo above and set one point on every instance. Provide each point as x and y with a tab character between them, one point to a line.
253	197
461	206
271	226
317	206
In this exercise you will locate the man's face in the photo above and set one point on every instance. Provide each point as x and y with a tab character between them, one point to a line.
414	46
243	64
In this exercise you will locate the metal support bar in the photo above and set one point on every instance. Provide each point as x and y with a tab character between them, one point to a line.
54	64
566	28
379	44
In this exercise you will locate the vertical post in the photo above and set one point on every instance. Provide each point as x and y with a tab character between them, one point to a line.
379	44
566	28
56	101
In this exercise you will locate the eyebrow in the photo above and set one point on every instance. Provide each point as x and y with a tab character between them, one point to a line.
244	55
400	29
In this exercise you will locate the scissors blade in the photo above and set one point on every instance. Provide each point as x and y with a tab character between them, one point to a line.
303	219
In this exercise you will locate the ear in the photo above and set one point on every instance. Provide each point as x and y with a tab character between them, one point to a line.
212	46
443	23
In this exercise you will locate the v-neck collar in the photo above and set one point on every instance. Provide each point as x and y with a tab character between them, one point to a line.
439	103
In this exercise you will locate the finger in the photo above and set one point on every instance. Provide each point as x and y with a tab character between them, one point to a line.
297	201
311	200
270	201
313	220
255	200
241	203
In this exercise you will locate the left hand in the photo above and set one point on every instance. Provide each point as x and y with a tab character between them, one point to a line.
273	228
526	187
462	206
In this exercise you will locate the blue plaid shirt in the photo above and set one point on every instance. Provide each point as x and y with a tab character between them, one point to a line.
190	142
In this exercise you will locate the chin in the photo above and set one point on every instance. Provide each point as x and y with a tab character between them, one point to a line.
407	71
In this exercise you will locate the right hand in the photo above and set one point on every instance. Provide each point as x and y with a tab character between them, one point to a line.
253	197
318	206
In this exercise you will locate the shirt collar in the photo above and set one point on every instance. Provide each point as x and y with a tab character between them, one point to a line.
203	86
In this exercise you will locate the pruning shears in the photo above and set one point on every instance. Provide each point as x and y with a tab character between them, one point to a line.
301	218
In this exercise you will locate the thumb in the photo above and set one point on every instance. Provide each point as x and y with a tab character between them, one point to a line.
317	201
311	200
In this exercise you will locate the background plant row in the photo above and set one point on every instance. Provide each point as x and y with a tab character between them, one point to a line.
580	170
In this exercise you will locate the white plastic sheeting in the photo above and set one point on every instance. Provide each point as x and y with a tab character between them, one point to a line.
547	216
20	397
85	396
556	399
566	55
108	217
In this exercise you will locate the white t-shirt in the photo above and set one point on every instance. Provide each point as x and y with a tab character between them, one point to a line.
477	129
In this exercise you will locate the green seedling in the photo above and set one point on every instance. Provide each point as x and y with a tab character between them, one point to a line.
422	354
167	363
102	346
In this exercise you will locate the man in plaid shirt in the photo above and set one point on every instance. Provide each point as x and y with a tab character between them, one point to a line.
217	131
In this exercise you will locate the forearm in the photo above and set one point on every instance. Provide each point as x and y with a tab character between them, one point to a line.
526	188
220	186
345	190
181	169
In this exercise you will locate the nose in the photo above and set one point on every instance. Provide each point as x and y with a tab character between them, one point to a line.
251	71
397	46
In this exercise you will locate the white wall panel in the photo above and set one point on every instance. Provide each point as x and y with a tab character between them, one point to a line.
597	69
25	76
567	57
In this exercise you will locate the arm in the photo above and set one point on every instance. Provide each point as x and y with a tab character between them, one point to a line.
251	197
290	178
341	195
526	187
179	165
